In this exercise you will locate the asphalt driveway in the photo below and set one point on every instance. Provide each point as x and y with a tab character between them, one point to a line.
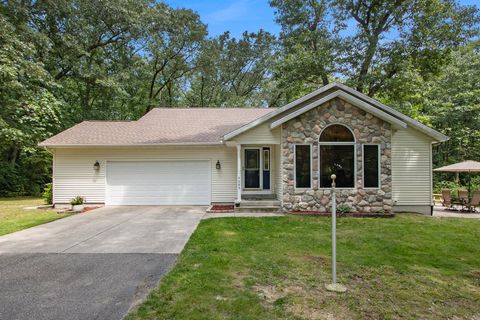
95	265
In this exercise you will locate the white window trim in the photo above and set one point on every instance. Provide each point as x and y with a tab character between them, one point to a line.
260	168
300	189
333	143
379	166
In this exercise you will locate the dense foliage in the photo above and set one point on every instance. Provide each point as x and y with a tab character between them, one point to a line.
65	61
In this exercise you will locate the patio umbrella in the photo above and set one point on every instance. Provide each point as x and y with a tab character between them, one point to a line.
465	166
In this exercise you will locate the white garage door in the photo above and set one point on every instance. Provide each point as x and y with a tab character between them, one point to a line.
169	182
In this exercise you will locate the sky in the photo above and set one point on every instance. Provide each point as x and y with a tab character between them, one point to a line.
237	16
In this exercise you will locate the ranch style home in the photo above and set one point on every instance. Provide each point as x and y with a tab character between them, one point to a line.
199	156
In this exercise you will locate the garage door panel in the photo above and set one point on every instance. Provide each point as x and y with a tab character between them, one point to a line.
148	187
161	192
158	183
142	187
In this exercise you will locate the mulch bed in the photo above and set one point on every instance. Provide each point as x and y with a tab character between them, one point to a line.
84	210
350	214
221	208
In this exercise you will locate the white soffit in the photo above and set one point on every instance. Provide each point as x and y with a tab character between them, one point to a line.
349	98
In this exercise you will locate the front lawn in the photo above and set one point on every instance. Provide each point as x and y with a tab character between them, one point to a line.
408	267
14	217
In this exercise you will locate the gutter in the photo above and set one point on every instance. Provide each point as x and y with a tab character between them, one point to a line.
46	146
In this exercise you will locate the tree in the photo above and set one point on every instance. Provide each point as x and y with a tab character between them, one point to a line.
171	48
88	46
368	43
454	106
29	110
232	72
308	39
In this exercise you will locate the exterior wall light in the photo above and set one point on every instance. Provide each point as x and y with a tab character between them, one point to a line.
218	166
96	166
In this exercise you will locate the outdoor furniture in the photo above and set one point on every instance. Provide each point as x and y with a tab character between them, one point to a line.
463	198
447	199
437	198
475	201
467	166
463	195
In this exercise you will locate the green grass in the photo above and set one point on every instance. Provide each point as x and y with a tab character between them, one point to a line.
14	217
409	267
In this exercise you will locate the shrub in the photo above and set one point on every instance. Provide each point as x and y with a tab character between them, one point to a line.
344	209
10	181
454	186
77	200
48	193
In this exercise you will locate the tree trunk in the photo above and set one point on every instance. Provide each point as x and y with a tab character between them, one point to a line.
367	61
12	155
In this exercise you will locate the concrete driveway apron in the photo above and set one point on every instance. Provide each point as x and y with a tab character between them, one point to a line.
94	265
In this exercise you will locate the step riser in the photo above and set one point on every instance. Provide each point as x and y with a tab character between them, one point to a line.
257	209
260	203
255	197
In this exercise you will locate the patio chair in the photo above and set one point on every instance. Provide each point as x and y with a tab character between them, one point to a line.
447	199
475	201
463	195
463	198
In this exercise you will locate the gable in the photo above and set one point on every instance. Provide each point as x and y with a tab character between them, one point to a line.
365	127
396	123
261	134
331	91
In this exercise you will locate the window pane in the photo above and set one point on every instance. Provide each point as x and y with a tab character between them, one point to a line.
266	159
337	133
302	166
338	160
252	170
252	159
370	167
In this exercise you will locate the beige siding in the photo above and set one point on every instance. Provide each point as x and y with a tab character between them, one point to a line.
411	168
259	135
74	174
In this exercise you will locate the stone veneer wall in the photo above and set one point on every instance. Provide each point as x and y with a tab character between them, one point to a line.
306	129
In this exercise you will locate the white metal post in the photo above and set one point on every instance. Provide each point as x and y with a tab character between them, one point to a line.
239	173
334	233
334	286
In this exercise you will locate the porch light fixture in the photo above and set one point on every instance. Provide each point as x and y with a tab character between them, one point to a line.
218	166
96	166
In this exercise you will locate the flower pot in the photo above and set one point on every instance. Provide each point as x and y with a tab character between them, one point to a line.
77	207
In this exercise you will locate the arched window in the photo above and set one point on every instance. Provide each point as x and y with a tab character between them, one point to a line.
337	156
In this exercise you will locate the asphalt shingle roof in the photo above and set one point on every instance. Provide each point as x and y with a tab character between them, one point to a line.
161	126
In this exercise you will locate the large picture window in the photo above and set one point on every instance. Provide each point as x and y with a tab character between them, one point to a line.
337	156
371	174
303	166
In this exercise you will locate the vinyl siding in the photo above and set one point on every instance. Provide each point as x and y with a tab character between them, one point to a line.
411	168
74	175
259	135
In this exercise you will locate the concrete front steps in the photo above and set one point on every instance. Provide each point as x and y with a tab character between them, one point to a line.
260	205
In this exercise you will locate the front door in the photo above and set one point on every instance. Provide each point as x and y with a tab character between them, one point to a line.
252	168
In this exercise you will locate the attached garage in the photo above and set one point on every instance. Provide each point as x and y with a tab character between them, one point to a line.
163	182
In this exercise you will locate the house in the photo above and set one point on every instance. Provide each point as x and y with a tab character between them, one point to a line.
198	156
